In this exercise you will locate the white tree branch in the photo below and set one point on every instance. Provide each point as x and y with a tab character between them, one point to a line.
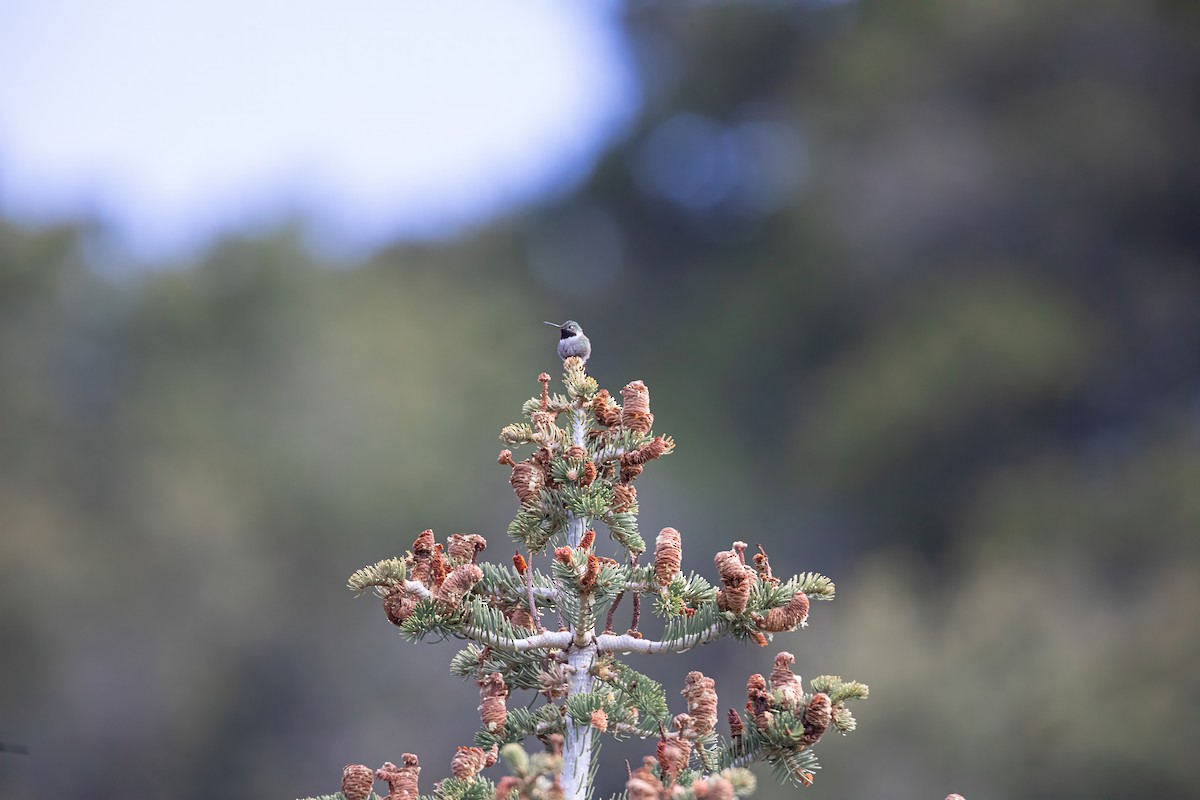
624	643
548	639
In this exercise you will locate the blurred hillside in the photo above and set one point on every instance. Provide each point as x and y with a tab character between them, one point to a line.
915	288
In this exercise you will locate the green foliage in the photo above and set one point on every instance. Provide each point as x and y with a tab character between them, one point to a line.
522	723
815	585
683	592
840	691
457	789
426	621
516	434
637	691
382	575
520	670
580	706
534	528
588	502
791	766
623	527
558	404
680	628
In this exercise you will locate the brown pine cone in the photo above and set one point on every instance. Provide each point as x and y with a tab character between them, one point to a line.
729	566
401	781
629	472
520	617
701	694
736	726
637	788
422	557
713	787
463	547
357	781
437	567
624	496
673	756
760	707
734	597
817	716
668	556
635	421
452	591
492	709
527	480
785	618
600	720
575	453
399	604
636	399
762	566
785	683
587	581
467	762
588	475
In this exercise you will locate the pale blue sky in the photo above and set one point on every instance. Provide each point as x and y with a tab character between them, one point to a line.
376	118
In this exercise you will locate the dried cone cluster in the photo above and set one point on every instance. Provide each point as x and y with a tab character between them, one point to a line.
493	711
468	761
600	720
357	781
668	556
401	781
428	566
607	412
701	694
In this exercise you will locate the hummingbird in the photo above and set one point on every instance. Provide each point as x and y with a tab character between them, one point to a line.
571	341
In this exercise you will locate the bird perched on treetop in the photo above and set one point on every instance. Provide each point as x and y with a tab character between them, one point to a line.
571	341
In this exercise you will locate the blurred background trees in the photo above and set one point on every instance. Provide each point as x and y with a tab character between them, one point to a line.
916	288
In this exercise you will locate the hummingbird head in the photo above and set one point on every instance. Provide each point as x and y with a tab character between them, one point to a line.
567	329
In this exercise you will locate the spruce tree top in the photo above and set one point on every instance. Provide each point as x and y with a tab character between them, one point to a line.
535	626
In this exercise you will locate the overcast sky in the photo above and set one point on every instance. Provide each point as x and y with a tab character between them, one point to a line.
173	120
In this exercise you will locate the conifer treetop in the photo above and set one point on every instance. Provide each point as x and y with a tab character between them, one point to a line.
535	625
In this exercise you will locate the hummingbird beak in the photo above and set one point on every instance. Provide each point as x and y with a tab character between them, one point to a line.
553	324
